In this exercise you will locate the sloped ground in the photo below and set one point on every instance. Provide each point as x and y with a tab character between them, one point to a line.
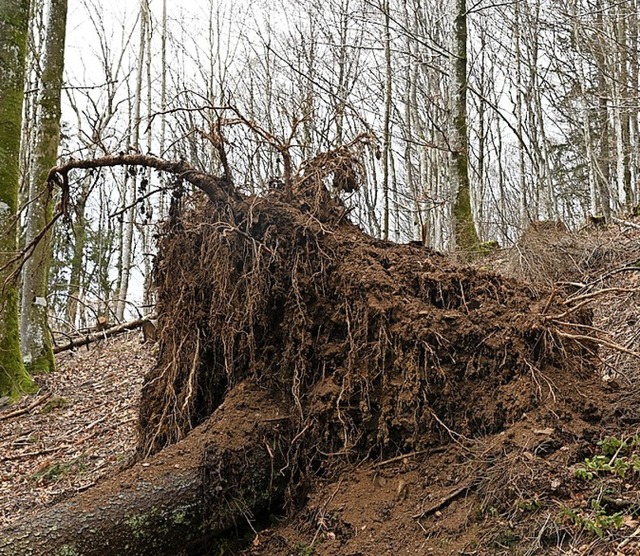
563	479
80	426
511	493
538	483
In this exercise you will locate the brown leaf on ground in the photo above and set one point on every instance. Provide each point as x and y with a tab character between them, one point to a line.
80	426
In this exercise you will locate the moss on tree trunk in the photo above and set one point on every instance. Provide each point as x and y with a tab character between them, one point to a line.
34	327
14	18
466	237
226	470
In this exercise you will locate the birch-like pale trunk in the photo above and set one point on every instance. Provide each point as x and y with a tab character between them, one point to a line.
387	120
633	98
619	140
144	227
79	225
622	32
600	163
525	215
34	326
14	24
132	191
163	104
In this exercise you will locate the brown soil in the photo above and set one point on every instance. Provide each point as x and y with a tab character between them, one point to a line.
486	389
498	494
517	491
434	408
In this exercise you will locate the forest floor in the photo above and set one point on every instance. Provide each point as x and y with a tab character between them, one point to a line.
562	479
79	427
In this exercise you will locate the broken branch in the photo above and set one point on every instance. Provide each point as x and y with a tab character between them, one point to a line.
102	334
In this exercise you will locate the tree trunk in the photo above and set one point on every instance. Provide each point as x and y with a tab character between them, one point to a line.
14	20
362	339
523	198
218	477
34	327
132	193
76	277
102	334
386	161
466	237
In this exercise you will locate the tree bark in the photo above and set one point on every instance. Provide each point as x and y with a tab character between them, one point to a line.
224	472
218	190
466	237
386	161
131	192
14	20
76	277
34	327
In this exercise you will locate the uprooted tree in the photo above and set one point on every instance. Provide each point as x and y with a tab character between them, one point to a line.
291	342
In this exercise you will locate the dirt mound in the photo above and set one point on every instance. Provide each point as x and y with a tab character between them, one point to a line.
516	492
379	349
321	363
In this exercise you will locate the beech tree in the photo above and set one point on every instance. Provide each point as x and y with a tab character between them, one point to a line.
34	328
14	22
131	186
466	236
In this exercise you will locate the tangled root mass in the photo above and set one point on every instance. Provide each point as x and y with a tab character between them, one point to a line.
377	348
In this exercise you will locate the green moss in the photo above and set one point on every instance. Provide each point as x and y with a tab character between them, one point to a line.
67	550
55	403
487	247
46	363
139	525
180	516
14	16
58	470
465	230
14	379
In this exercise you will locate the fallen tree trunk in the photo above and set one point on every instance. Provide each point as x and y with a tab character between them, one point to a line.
102	334
198	488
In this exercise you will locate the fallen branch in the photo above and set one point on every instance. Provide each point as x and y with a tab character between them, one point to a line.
102	334
217	189
15	457
24	410
607	343
605	291
410	455
625	223
445	500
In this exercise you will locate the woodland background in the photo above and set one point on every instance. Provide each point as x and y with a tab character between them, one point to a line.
290	190
552	112
505	113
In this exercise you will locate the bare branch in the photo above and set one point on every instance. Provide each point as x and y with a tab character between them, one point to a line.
217	189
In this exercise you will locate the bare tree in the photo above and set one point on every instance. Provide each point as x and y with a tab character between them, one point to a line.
466	236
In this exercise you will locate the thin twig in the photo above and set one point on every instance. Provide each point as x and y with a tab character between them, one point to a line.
625	223
27	409
409	455
589	296
446	500
607	343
